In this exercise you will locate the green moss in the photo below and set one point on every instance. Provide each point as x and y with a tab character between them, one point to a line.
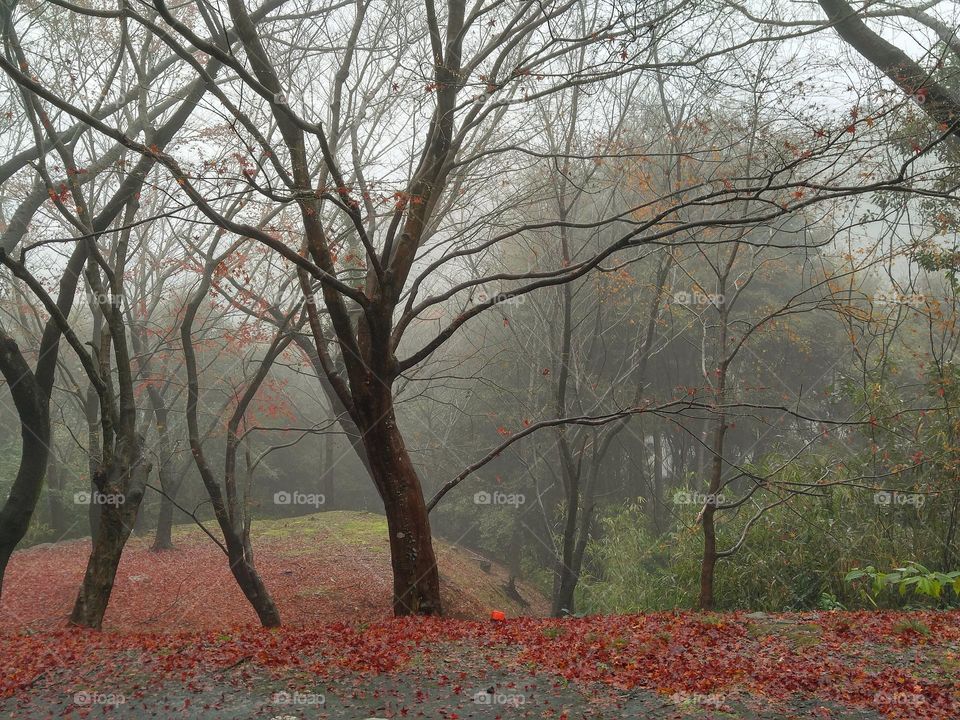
346	526
911	625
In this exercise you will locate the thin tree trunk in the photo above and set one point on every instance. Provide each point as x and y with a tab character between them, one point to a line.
163	538
577	533
230	517
951	536
656	502
564	581
251	584
709	561
564	600
55	497
515	550
94	455
329	474
337	407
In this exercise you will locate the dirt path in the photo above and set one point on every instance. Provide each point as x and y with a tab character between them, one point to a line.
845	666
409	694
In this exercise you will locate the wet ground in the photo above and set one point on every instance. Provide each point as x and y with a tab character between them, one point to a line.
408	694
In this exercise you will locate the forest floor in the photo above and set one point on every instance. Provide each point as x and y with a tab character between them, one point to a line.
846	666
321	568
193	650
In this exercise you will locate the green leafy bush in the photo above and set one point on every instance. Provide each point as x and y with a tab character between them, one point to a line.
911	580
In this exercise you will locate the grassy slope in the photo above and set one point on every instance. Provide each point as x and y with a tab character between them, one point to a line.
327	567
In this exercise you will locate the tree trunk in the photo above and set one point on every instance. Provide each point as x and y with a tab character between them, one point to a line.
416	579
140	527
329	475
946	562
91	604
55	499
709	562
564	595
163	539
250	582
565	581
31	396
515	548
94	511
656	502
116	521
94	455
337	408
31	404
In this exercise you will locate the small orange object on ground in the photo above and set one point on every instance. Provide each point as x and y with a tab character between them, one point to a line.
497	615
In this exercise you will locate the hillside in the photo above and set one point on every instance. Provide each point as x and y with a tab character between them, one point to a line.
321	568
